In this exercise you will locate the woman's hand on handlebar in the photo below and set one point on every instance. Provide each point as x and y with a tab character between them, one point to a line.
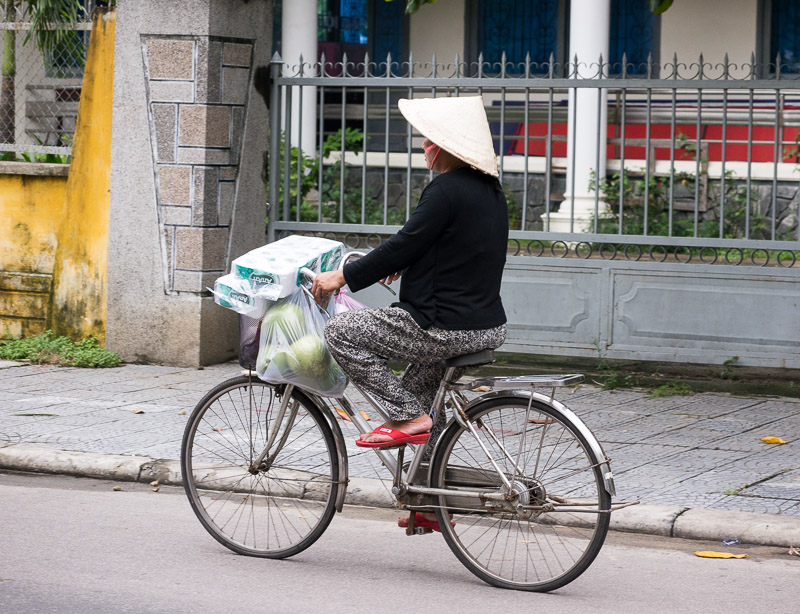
325	284
390	278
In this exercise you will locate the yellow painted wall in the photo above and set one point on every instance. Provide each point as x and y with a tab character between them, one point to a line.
81	268
30	210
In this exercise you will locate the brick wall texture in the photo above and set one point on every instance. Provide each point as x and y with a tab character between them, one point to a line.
197	89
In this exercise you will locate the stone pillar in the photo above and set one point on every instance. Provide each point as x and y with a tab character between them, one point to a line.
588	35
187	158
299	38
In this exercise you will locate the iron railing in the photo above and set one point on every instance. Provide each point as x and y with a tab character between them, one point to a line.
712	150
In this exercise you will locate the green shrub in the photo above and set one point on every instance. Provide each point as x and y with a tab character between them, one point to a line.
49	349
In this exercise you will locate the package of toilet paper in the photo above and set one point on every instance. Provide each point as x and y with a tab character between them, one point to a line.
238	294
273	271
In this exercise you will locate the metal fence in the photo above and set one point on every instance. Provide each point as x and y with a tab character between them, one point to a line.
702	160
39	92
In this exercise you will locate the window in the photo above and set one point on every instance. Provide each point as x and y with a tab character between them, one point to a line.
780	35
634	32
519	27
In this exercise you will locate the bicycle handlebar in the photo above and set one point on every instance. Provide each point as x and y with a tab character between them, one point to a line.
310	275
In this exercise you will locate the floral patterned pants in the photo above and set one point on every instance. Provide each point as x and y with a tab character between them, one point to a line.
364	340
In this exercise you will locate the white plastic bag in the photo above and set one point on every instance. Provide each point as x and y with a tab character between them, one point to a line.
292	347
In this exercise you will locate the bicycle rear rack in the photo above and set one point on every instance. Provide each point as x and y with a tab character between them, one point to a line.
519	381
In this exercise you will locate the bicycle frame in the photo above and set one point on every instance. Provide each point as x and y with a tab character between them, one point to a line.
404	479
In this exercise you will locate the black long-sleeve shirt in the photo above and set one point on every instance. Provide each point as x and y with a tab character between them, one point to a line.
451	252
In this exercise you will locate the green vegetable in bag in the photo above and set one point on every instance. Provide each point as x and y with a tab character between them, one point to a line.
288	318
309	357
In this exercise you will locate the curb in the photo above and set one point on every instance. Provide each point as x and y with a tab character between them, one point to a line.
662	520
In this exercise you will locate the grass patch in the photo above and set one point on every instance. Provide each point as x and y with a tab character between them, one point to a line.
49	349
671	390
612	380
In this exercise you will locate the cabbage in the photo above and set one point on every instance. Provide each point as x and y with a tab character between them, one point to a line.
309	357
286	317
281	362
263	358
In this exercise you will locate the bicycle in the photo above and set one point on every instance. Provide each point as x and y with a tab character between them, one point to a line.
520	486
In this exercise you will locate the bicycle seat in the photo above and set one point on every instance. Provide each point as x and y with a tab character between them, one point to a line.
484	357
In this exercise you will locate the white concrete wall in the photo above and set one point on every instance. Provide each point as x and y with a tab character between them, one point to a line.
710	27
438	28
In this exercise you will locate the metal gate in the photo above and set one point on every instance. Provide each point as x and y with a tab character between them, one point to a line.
690	250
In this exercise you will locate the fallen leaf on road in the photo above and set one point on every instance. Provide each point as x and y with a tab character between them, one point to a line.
795	551
117	488
156	489
777	440
137	411
709	554
154	483
303	517
182	412
219	430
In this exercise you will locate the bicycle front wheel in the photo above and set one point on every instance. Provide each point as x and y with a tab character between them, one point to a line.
270	505
561	515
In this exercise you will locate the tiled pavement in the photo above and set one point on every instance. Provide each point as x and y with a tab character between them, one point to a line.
696	451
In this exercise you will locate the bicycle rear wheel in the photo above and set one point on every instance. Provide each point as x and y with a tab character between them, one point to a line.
284	504
550	464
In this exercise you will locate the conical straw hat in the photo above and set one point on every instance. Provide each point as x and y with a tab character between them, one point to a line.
456	124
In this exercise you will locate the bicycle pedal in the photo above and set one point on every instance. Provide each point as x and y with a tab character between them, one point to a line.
421	531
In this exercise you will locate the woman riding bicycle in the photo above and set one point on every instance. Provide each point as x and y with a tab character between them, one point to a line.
451	254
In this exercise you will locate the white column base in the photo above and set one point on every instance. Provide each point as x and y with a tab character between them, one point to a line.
563	220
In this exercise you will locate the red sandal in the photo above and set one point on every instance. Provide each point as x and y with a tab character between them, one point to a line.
421	521
398	438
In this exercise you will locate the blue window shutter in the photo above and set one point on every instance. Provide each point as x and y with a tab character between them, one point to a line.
785	35
632	33
518	27
387	35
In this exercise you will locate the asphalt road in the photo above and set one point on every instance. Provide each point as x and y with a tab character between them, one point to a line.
75	545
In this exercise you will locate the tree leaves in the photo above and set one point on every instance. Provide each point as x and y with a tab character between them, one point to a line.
659	6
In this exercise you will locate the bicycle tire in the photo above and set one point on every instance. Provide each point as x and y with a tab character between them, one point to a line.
544	552
281	509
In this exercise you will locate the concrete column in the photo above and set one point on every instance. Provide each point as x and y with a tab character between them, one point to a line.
299	37
588	35
189	136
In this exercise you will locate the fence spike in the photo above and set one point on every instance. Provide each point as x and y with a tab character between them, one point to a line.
433	64
752	65
778	65
649	65
527	64
300	71
458	65
701	66
624	64
366	64
600	70
552	62
388	64
322	65
503	60
410	63
344	64
726	65
480	64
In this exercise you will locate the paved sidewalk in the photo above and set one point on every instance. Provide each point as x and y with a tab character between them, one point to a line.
684	452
